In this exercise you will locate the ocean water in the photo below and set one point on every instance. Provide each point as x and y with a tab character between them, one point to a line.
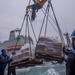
45	69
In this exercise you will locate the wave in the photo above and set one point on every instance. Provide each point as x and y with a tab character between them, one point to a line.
51	71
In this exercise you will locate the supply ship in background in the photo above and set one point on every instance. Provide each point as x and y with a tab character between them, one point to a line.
12	44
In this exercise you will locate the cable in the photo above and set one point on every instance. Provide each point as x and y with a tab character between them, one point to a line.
46	21
22	24
33	29
20	31
29	3
49	16
51	23
60	33
42	23
28	34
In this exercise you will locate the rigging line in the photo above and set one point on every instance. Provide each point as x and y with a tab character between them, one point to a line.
23	23
46	20
32	28
49	15
29	2
20	31
28	34
50	22
25	15
43	22
24	18
60	33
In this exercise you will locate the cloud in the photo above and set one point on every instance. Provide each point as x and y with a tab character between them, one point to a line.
13	11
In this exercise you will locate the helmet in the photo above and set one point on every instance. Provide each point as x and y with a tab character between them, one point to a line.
3	50
13	53
73	34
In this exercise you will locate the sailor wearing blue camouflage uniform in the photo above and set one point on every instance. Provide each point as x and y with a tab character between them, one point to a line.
4	60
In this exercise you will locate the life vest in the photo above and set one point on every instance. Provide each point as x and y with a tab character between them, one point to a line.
3	65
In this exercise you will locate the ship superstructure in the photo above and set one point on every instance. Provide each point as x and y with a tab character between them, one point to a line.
12	44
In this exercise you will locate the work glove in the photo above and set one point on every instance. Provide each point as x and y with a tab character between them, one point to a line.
10	60
64	48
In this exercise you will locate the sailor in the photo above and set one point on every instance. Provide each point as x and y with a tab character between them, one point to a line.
11	70
4	60
70	62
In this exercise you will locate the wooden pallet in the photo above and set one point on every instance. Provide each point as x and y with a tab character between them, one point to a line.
48	57
27	63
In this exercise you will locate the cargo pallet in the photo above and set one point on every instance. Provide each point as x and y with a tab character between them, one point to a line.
27	63
48	57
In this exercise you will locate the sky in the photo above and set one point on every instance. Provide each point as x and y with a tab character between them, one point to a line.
13	11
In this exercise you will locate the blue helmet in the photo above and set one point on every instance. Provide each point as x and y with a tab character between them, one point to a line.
13	53
3	50
73	34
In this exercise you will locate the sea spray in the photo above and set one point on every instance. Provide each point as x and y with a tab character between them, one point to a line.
51	71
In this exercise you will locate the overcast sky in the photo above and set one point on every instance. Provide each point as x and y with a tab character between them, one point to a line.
13	11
